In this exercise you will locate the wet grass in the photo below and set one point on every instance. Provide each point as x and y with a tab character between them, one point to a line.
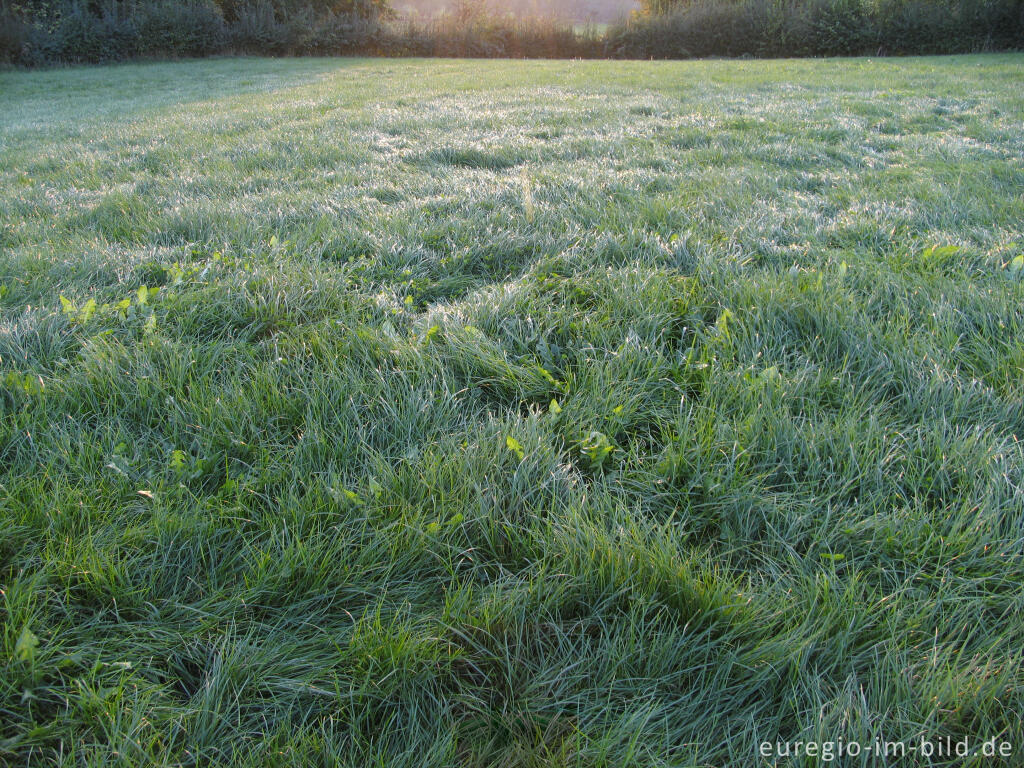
506	413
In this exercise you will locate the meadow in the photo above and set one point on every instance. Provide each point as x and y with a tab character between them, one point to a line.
427	413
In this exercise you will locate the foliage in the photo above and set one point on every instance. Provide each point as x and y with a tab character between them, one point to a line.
820	28
76	32
14	34
284	9
73	31
173	28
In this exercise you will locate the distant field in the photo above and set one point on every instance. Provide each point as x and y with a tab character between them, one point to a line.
510	413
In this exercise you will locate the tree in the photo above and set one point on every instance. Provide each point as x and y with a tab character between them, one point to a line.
658	7
367	9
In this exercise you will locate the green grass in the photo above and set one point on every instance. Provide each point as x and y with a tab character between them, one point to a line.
507	413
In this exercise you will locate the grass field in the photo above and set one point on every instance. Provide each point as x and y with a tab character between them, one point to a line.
439	413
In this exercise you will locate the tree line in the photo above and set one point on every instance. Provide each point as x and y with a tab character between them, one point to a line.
44	32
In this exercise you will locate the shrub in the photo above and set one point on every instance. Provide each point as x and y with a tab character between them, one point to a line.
258	28
953	26
181	29
819	28
48	31
488	36
282	9
81	36
838	27
341	34
14	36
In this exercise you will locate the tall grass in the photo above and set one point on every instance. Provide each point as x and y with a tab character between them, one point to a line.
433	413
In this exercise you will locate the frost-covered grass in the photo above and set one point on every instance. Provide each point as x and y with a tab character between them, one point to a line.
505	413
